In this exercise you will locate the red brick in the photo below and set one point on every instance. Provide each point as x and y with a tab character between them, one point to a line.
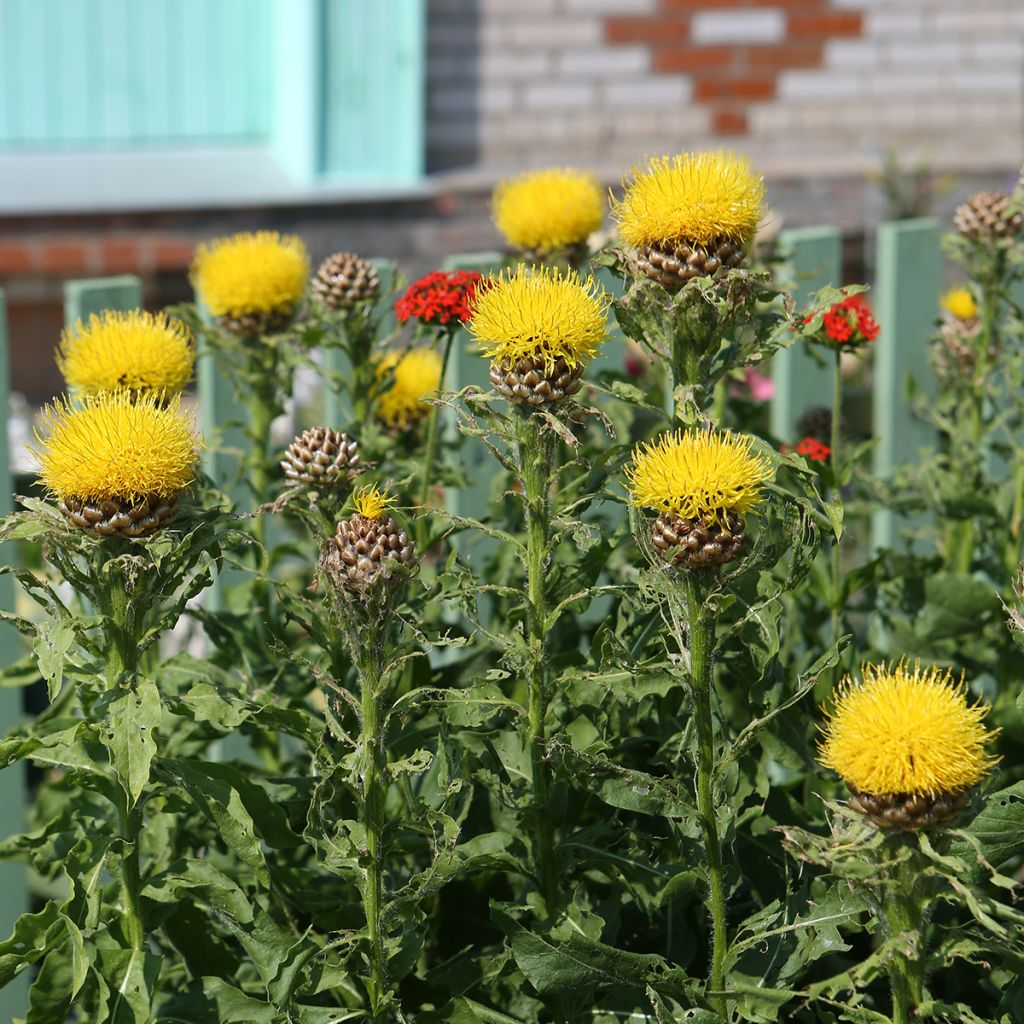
835	23
119	256
171	253
735	89
65	256
686	59
15	258
645	30
792	55
729	122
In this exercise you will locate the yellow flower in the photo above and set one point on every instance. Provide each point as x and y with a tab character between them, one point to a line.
694	198
251	272
116	445
960	302
372	502
542	314
137	350
414	375
906	730
548	210
698	475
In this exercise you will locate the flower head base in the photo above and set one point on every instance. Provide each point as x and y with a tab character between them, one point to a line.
372	502
414	375
540	314
439	299
251	273
696	199
139	351
547	211
116	446
701	476
906	731
848	324
959	303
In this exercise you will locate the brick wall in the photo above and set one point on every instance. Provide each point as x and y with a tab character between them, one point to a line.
799	84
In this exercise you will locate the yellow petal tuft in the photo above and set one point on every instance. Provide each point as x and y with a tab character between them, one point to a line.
906	730
136	350
540	313
116	445
545	211
695	198
251	272
698	475
960	302
372	502
414	375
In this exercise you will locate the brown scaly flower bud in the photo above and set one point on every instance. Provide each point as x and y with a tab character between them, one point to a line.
344	280
530	380
319	456
985	217
697	544
368	548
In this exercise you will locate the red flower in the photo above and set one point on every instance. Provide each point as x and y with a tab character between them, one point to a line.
849	322
814	450
440	298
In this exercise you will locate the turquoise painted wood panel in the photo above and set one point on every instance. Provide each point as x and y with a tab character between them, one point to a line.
94	73
909	278
373	89
13	795
813	258
91	296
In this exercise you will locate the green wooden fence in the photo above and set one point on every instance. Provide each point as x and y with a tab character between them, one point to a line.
905	301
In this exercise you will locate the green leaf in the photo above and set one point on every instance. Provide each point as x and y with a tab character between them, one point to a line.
33	936
955	605
127	982
53	642
999	826
132	719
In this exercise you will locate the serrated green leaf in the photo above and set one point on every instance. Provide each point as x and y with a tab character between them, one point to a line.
130	735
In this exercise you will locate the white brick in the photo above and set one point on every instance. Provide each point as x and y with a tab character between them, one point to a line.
997	51
558	95
615	7
513	66
852	53
654	92
597	63
910	84
988	81
813	85
767	25
969	21
927	53
886	24
550	33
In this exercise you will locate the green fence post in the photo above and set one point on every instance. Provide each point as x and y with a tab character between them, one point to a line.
335	413
13	796
90	296
909	275
814	260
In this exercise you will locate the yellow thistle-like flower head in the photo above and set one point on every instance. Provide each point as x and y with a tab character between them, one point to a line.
137	350
251	272
694	198
960	303
116	445
544	211
698	475
906	731
414	375
372	502
540	313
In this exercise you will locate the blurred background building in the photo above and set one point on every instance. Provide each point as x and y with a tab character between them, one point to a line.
132	129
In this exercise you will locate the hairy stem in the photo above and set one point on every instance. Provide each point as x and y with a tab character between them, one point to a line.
536	454
902	912
837	464
433	441
701	631
258	472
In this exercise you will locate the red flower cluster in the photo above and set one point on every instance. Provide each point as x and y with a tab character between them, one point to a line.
849	322
814	450
440	298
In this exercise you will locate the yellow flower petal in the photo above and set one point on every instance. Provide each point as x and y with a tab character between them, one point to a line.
372	502
414	376
548	210
960	302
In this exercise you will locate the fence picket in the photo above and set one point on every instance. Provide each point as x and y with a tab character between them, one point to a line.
91	296
13	877
909	276
801	382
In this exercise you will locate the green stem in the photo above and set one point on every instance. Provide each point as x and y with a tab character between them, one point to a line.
686	372
433	440
374	772
536	454
131	879
902	914
261	415
837	465
701	630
